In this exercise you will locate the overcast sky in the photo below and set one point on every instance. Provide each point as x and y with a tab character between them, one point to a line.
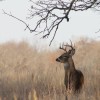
81	24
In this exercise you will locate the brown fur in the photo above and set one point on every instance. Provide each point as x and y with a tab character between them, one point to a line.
76	81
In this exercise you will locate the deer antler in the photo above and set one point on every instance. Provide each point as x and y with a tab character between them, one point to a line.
71	46
62	47
71	52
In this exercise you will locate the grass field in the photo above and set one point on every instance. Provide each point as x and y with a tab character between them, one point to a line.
26	74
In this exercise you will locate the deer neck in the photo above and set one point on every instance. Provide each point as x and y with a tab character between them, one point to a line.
71	63
66	66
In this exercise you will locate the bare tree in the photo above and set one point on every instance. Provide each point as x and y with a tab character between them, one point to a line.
51	13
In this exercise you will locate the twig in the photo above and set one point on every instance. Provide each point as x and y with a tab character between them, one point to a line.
27	26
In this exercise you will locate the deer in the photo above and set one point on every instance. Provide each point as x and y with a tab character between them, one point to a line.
74	79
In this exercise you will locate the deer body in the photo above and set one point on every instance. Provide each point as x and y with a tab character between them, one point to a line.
69	69
74	78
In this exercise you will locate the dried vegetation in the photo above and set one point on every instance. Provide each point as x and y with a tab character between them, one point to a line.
26	74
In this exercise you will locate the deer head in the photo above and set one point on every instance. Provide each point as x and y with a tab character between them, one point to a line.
67	54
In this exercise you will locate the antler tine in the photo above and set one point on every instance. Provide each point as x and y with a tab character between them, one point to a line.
71	42
71	46
74	45
61	47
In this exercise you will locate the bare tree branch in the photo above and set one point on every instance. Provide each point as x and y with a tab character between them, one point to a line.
51	13
27	26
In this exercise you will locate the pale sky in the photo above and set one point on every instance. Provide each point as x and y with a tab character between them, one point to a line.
81	24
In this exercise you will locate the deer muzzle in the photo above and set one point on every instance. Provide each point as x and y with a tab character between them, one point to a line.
58	60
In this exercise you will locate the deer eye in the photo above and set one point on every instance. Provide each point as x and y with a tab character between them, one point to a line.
65	57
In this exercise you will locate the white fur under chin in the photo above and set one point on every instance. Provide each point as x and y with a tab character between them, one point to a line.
66	66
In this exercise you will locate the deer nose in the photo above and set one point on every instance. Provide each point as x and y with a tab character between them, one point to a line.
58	60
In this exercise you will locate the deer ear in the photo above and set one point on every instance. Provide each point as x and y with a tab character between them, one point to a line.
71	52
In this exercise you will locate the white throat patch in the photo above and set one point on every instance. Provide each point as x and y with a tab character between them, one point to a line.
66	66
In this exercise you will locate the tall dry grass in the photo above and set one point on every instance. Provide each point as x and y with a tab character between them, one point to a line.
26	74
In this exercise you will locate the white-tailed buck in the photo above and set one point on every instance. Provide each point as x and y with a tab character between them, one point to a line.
74	78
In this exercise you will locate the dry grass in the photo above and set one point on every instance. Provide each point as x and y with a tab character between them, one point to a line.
26	74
